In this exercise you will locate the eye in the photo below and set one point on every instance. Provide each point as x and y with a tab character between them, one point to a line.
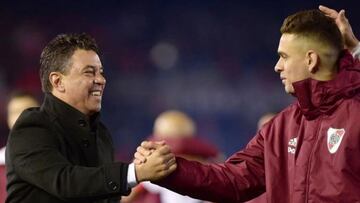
284	57
101	71
89	72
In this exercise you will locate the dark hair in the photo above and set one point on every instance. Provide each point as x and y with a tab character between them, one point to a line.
55	57
315	25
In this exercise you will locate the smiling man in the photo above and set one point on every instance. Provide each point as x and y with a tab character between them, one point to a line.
62	152
82	86
309	151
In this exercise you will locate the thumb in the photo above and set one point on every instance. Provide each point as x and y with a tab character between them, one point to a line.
342	15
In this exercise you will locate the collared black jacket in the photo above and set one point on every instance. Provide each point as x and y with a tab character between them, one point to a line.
55	154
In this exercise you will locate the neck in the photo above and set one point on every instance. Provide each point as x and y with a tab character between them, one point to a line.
325	73
61	96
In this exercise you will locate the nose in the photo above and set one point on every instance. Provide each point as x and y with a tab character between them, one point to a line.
100	79
278	66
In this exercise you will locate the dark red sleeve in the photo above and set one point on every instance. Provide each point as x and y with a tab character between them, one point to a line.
2	183
240	178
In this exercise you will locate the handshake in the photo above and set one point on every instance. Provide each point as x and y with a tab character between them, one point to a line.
153	161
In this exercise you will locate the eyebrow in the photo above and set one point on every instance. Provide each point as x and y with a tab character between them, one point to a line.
282	54
93	67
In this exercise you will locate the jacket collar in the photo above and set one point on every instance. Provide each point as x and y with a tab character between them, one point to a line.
320	97
67	114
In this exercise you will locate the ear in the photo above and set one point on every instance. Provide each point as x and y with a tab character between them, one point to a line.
312	61
57	81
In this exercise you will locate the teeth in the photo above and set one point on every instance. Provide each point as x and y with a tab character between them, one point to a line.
96	93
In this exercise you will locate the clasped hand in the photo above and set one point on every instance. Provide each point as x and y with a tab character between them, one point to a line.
153	161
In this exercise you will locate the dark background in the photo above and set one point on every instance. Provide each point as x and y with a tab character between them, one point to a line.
212	59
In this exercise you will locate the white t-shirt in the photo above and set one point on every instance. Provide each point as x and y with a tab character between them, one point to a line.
168	196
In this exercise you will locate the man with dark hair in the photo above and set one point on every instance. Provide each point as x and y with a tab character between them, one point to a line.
55	56
307	152
62	152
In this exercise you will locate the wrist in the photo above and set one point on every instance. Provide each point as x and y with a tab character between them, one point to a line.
138	173
356	51
131	177
353	44
356	46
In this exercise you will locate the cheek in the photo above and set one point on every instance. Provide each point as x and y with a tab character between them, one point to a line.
82	86
296	71
301	74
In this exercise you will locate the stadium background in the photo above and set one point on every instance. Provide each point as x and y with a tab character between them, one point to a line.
211	59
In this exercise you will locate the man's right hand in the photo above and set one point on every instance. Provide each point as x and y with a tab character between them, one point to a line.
153	161
344	26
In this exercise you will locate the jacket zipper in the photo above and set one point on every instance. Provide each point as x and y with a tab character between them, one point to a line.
307	186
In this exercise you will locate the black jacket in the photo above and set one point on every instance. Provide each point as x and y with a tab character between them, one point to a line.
55	154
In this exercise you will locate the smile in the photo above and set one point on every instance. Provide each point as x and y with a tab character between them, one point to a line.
96	93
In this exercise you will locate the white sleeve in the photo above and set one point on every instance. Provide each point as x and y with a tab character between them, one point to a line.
131	176
2	156
168	195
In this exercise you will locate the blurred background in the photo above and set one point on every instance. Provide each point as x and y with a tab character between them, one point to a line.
211	59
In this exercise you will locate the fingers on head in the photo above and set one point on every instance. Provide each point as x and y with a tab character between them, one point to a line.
342	14
327	10
322	8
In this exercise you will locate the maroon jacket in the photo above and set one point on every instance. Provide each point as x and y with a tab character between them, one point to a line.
308	153
2	183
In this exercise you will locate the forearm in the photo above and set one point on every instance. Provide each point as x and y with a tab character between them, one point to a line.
215	182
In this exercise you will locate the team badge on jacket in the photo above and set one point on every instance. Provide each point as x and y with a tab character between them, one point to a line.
292	145
334	137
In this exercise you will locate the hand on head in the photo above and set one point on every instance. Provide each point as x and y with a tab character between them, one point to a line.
153	161
343	24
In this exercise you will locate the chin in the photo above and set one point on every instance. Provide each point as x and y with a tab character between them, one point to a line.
95	109
289	90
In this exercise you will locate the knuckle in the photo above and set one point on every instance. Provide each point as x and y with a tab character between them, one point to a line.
163	160
144	144
162	167
163	150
